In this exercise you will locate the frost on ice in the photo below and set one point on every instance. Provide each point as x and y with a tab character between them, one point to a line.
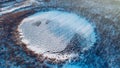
50	32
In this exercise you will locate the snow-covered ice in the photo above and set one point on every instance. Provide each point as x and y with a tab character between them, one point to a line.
49	32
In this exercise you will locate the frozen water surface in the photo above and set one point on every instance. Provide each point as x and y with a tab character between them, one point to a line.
41	29
52	31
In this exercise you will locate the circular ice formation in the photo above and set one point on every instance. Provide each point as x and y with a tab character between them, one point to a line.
51	32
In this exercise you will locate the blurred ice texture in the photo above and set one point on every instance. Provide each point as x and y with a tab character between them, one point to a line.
105	14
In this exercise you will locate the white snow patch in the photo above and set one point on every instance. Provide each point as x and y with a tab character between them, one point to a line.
60	56
48	32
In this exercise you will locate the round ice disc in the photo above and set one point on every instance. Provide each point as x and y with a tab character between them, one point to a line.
52	32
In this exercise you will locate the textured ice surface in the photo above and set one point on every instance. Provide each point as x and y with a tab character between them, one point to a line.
71	66
52	31
105	54
5	10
